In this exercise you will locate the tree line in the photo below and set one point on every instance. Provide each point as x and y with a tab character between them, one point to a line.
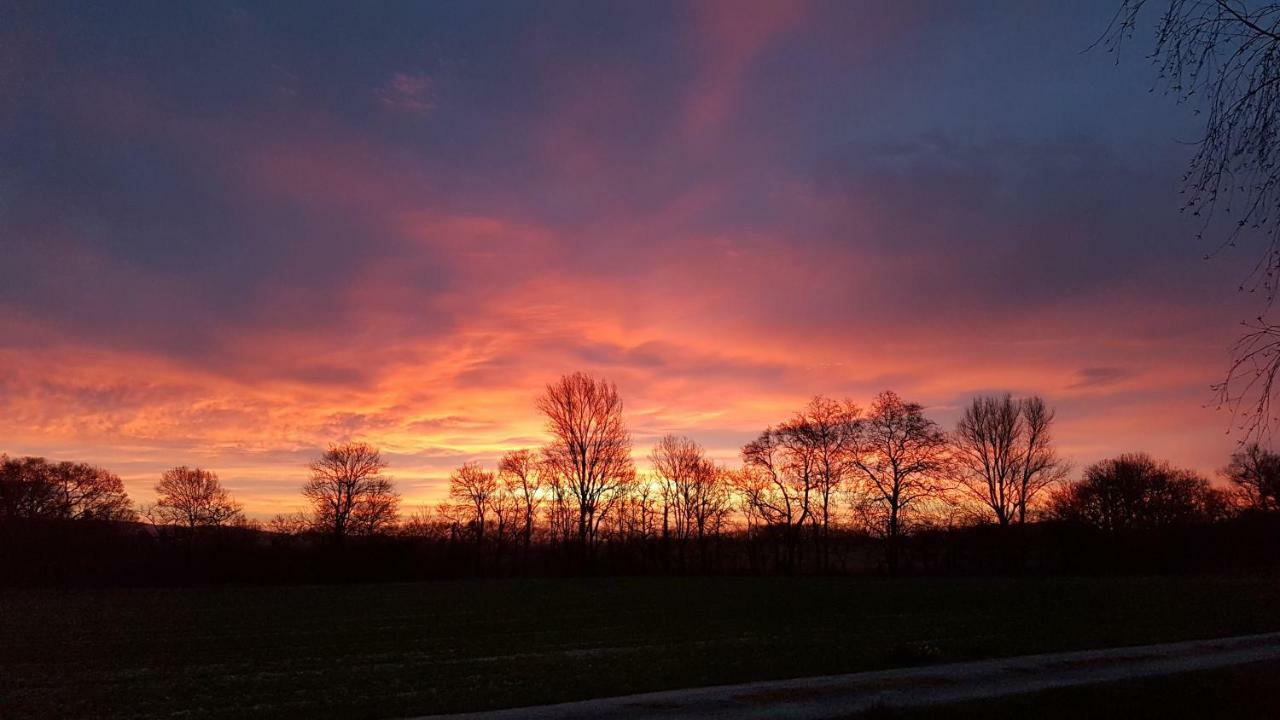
834	486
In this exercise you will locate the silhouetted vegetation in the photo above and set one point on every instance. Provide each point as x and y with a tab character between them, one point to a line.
1136	492
1005	454
195	499
34	489
349	495
1255	473
833	489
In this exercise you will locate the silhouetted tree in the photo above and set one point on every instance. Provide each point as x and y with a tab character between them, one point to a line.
1223	56
194	498
503	506
711	504
24	489
590	451
452	518
677	465
34	488
561	514
794	471
1133	492
1041	466
779	495
474	489
521	474
423	524
749	486
902	457
777	483
987	444
829	431
1004	454
291	524
348	492
638	513
1256	474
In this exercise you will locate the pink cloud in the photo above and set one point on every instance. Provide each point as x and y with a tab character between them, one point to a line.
409	93
731	35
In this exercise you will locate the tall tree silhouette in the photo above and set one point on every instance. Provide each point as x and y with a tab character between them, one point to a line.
590	450
902	456
829	431
194	498
1004	454
695	493
1255	472
679	465
348	492
521	473
777	483
475	490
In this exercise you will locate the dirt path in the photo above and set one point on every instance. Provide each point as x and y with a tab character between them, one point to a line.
836	696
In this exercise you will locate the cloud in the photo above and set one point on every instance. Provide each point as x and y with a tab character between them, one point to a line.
407	93
731	36
1091	377
701	204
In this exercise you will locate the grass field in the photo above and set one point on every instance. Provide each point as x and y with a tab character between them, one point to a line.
404	649
1246	692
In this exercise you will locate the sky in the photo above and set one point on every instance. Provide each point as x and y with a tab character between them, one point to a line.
233	233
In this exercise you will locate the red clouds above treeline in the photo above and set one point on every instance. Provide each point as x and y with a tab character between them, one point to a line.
238	235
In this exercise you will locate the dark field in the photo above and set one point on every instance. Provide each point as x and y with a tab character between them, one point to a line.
1245	692
387	650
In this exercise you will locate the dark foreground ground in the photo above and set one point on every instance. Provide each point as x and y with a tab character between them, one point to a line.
395	650
1246	692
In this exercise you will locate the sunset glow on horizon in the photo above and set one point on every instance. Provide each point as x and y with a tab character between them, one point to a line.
233	235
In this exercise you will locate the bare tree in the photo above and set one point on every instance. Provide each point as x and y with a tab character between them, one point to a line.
677	465
712	503
779	470
695	493
590	450
987	444
348	492
1004	454
560	512
291	524
1134	491
750	487
26	490
777	481
452	519
1223	57
505	508
194	498
795	470
828	431
1042	468
521	474
90	492
379	512
32	487
1255	472
637	513
474	489
903	458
